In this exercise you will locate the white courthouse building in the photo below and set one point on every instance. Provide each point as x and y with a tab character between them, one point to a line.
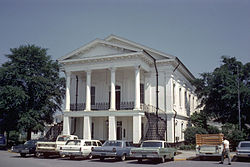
111	85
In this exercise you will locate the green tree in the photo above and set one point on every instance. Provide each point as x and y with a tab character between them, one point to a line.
190	133
233	134
31	90
218	91
199	119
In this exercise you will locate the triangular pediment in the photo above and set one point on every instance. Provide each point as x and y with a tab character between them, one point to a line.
98	48
127	43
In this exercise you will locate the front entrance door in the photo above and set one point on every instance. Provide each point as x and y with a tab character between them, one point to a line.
117	97
119	130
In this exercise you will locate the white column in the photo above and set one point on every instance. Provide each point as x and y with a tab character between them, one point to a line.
112	128
136	128
88	88
87	128
112	93
183	99
170	128
66	125
137	88
67	96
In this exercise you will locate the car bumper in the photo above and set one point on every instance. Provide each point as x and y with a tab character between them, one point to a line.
243	155
145	156
74	153
104	154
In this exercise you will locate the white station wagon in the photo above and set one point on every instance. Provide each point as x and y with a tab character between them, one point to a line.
82	148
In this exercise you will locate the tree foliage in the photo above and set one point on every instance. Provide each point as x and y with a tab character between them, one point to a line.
190	133
218	91
199	119
233	134
31	90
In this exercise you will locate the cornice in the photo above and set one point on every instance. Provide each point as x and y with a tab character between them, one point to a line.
106	58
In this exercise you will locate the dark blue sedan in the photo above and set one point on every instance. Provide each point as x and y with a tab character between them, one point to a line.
29	147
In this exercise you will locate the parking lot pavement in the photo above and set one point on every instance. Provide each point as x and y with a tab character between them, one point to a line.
183	155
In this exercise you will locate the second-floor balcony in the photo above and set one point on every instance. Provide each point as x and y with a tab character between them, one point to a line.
102	106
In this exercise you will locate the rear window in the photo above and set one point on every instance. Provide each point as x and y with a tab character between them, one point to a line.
87	143
73	142
113	143
245	145
151	144
63	138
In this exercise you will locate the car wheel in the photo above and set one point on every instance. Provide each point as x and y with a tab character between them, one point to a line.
90	156
23	154
162	159
72	157
139	160
123	157
102	158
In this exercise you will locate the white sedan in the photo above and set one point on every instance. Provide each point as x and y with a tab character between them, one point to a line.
243	149
82	148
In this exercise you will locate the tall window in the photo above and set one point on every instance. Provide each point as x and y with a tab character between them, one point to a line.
142	93
92	130
180	96
173	93
182	131
185	100
92	95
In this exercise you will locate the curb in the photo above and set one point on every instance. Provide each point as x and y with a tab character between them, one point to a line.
183	159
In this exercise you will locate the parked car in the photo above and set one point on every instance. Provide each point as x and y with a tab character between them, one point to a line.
118	149
47	148
29	147
155	150
82	148
243	149
3	142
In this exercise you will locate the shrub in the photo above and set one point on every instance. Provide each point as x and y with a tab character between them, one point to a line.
213	130
190	134
233	134
187	147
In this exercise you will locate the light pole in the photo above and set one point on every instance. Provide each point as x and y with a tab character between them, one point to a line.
238	85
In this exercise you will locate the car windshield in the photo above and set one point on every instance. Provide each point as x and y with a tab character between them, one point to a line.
30	142
151	144
113	143
245	145
73	142
63	138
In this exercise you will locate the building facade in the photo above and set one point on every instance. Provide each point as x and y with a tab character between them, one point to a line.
111	84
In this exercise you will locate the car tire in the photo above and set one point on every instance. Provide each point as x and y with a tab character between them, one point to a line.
139	160
38	155
72	157
123	157
102	158
162	159
90	156
172	158
23	154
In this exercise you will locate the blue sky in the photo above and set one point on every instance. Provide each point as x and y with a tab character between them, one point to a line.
198	32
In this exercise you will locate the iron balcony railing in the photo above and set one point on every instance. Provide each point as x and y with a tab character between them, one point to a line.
102	106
